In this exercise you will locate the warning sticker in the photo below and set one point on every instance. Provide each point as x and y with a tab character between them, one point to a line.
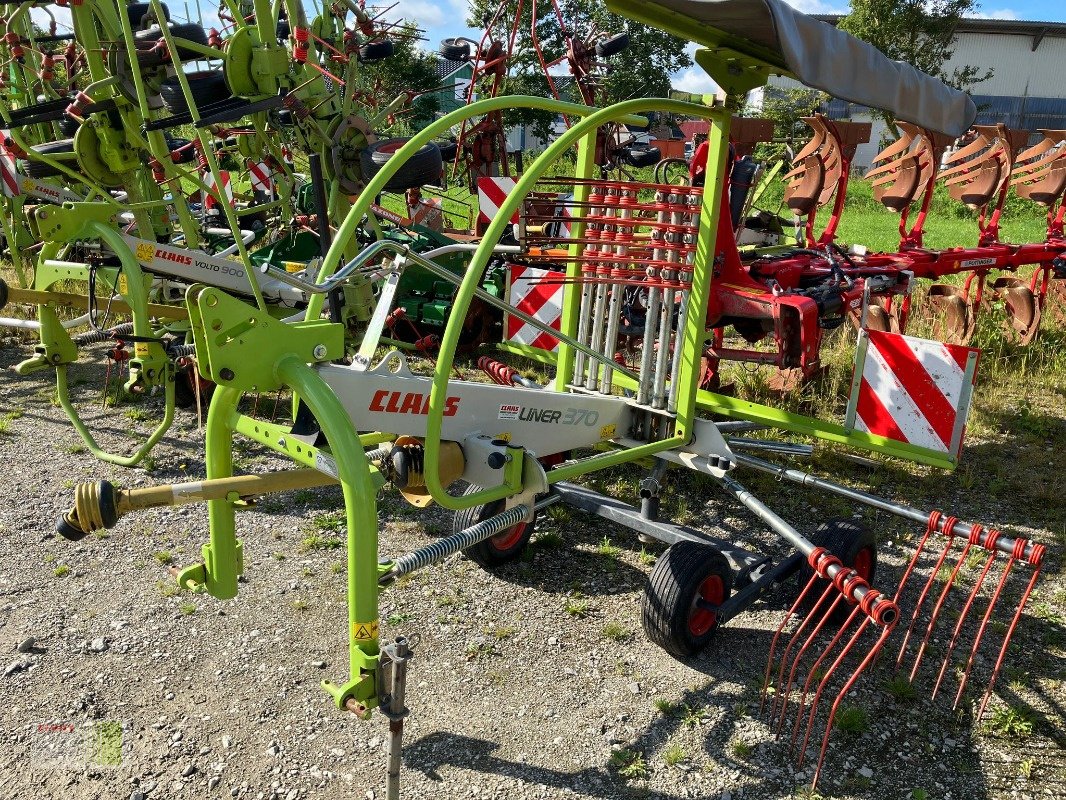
361	631
607	431
503	437
141	350
326	464
123	285
508	411
293	266
145	251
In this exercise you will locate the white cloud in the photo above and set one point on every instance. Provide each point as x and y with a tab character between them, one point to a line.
819	6
694	80
997	13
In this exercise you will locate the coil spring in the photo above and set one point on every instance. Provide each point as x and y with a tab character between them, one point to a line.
95	337
181	350
442	548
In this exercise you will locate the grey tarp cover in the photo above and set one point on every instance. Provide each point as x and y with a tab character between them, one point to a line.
825	58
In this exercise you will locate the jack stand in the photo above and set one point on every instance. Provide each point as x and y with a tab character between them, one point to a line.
394	658
650	487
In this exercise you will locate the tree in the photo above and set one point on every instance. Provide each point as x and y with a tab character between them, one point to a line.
787	108
408	69
643	69
919	32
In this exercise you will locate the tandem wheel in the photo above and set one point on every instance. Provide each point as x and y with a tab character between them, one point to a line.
679	610
503	548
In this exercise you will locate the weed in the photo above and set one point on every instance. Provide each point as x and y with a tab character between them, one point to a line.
168	589
337	568
315	542
605	548
476	651
49	558
396	618
550	540
76	449
918	794
504	632
333	521
693	716
148	463
666	707
674	755
187	608
164	557
1009	723
61	570
901	688
278	556
629	763
852	720
577	606
307	572
300	604
645	558
741	749
616	632
1025	769
136	414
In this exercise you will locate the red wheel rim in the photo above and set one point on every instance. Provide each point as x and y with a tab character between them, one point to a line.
391	147
509	538
864	563
712	591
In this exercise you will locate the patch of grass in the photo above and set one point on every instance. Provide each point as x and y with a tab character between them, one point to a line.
900	687
852	720
76	448
645	558
396	618
1009	723
333	521
164	557
61	570
300	604
504	632
674	755
605	548
550	540
278	556
338	568
307	572
148	463
741	749
616	632
187	608
629	763
693	716
49	558
136	414
477	651
918	794
1025	769
666	707
313	541
168	588
577	606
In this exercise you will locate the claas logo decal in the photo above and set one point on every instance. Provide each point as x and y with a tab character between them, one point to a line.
408	403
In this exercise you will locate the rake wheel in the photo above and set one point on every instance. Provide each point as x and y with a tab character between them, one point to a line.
503	548
678	609
856	547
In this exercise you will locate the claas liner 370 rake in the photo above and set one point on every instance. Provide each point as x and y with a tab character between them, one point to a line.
518	446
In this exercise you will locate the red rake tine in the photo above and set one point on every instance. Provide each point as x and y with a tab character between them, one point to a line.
938	608
885	633
777	635
787	691
962	619
981	631
813	673
948	526
794	638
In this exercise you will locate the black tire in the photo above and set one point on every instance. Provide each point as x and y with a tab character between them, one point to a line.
856	546
425	166
454	49
640	155
186	155
186	30
283	30
137	11
376	51
38	169
687	571
207	87
612	46
504	547
68	126
448	149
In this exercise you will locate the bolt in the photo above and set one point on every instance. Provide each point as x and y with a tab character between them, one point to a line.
319	352
225	374
281	441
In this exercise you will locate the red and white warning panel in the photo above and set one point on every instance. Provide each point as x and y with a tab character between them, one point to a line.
9	177
491	194
539	293
912	390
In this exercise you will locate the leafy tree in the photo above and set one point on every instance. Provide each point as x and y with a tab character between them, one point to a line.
919	32
408	69
786	107
643	69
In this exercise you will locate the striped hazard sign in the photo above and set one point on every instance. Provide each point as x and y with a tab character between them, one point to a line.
261	177
491	194
542	299
9	177
227	188
912	390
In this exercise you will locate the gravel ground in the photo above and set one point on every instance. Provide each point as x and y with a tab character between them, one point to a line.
525	681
